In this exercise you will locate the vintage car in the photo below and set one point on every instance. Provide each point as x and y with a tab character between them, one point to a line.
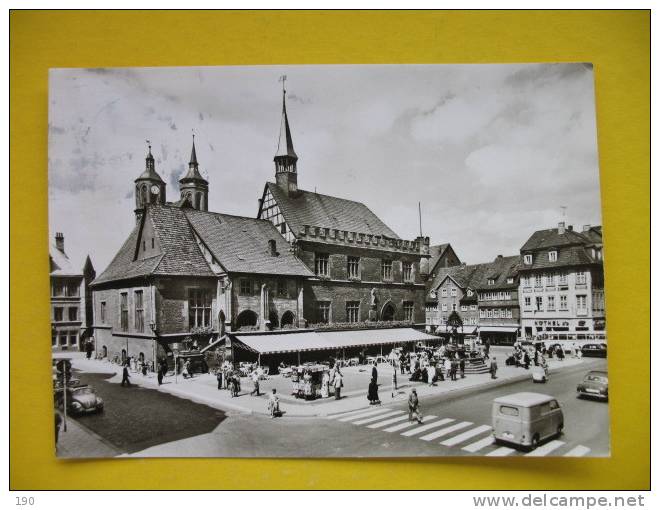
594	350
81	399
525	419
594	385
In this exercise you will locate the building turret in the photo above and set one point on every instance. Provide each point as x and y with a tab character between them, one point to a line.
149	187
285	158
193	186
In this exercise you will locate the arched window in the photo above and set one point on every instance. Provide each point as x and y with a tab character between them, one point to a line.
143	196
287	319
387	314
274	320
246	319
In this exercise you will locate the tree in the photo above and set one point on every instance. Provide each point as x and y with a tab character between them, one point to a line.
454	322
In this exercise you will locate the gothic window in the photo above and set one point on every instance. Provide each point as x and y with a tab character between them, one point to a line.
199	308
352	311
408	310
123	307
323	312
102	312
386	269
139	311
407	272
353	268
246	287
321	264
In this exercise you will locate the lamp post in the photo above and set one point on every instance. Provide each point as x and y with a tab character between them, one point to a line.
152	325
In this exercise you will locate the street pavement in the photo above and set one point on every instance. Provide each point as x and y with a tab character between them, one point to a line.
455	424
136	417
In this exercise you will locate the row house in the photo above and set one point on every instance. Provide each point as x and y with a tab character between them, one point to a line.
562	284
70	298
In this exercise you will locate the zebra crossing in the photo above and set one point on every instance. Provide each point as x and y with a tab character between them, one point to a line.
448	432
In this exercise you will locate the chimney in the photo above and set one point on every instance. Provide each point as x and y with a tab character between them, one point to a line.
272	244
562	228
500	257
586	228
570	228
59	241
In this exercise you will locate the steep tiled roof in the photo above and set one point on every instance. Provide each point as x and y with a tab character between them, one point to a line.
315	209
60	264
567	256
475	276
551	238
436	252
123	266
241	244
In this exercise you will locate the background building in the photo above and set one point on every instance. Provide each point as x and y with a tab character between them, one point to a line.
70	298
561	284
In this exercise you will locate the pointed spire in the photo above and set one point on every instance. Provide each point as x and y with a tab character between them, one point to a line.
285	142
193	167
193	154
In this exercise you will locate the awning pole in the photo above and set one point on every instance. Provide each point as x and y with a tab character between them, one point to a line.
259	360
298	358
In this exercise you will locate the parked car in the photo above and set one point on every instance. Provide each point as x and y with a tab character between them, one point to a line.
80	399
525	419
594	385
594	350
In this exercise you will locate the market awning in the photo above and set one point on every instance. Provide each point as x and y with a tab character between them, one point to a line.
270	343
497	329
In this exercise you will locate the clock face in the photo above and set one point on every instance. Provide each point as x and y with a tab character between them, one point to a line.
155	189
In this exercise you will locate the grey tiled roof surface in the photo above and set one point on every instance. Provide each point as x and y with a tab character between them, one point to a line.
241	244
475	276
551	237
123	266
567	256
436	252
315	209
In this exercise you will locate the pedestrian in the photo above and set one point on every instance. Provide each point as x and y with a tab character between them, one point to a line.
58	423
219	377
255	383
325	384
374	372
454	369
339	383
125	376
493	368
372	393
394	382
160	374
560	353
487	348
145	368
274	404
526	359
307	385
431	375
462	367
413	407
89	347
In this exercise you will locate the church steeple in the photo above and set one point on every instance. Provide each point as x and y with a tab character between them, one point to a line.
149	186
194	187
285	158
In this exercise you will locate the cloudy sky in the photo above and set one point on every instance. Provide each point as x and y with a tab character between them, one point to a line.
491	151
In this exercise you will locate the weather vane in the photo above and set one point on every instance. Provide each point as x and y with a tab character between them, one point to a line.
283	80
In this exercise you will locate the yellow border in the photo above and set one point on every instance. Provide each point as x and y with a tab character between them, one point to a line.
618	43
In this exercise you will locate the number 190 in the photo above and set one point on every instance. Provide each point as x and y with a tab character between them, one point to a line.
24	500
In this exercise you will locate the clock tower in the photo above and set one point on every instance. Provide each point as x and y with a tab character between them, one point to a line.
149	187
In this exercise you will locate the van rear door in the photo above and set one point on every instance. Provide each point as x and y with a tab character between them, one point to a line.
507	422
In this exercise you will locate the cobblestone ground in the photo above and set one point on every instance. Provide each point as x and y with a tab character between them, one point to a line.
136	418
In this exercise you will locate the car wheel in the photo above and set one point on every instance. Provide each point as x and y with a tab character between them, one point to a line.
535	442
560	430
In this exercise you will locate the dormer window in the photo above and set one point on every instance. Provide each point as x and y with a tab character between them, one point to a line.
469	292
491	281
552	256
509	279
527	259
